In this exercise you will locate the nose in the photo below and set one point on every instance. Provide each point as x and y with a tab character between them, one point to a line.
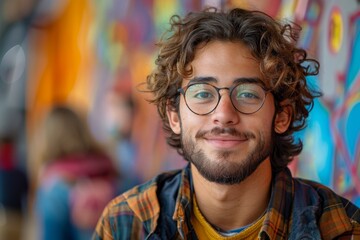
225	113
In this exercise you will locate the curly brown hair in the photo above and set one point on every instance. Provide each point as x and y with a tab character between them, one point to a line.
271	42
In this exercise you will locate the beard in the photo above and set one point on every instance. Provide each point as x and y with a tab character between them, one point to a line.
222	169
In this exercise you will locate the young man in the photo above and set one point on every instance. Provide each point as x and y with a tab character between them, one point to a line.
231	90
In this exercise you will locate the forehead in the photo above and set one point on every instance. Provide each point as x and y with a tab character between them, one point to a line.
224	61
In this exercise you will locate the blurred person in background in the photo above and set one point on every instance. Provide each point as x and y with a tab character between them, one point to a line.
76	177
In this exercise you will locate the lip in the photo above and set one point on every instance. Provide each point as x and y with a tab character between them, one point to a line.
225	142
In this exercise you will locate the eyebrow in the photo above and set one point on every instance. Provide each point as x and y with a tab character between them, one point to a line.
203	80
255	80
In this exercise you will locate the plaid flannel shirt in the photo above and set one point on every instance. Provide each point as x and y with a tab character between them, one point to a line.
161	209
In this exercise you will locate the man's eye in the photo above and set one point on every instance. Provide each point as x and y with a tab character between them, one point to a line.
203	95
248	95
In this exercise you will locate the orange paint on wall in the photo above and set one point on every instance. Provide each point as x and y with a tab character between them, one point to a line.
60	64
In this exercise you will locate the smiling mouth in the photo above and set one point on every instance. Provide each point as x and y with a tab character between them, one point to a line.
225	138
221	142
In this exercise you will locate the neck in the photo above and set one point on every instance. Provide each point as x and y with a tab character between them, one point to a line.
234	206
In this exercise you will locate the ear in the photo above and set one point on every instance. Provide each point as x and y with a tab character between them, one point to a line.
174	120
283	119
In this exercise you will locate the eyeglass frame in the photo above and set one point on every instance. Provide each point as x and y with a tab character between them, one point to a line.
182	90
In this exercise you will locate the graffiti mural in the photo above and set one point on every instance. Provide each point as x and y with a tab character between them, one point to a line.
331	152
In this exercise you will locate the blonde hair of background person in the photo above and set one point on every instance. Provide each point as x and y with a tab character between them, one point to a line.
65	132
62	131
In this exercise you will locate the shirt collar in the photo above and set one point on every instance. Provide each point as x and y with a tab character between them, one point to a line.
288	207
278	213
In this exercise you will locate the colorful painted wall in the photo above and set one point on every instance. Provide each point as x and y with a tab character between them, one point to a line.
79	51
332	140
331	33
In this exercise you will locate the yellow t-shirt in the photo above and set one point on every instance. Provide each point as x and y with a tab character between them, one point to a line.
205	231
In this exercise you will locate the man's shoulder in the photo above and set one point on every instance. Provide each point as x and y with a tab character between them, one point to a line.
337	215
137	211
141	200
328	198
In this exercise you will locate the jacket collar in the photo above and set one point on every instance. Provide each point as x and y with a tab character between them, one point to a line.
173	194
278	213
183	207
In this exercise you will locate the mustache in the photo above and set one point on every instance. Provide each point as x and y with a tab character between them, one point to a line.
229	131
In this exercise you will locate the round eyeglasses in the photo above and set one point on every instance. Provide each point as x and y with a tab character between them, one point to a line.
203	98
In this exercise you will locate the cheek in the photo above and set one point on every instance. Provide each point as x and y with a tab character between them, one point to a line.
190	122
268	115
262	128
263	121
267	128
